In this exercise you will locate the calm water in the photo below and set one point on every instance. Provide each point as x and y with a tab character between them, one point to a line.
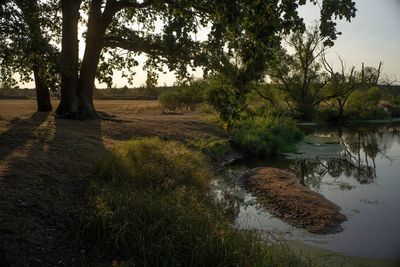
362	177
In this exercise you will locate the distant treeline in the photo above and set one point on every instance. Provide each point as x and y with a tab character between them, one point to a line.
125	93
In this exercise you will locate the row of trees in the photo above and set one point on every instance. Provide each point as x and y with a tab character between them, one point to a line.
306	79
32	32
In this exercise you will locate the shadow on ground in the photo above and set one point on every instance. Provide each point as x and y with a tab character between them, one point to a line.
44	165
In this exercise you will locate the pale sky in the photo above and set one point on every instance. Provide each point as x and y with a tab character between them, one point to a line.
372	36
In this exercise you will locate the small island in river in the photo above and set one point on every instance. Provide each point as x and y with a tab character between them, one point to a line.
280	191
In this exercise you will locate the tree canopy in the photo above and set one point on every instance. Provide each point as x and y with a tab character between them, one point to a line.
240	36
29	33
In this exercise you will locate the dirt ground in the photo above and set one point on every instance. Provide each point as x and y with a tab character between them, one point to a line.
45	164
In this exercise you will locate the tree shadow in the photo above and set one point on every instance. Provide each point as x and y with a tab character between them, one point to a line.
44	172
19	132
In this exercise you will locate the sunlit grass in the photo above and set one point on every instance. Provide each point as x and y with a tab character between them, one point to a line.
150	205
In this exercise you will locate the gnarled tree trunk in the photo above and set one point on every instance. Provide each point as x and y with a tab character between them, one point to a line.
68	107
77	84
96	29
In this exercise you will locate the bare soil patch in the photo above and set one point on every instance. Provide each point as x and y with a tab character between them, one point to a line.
46	163
286	198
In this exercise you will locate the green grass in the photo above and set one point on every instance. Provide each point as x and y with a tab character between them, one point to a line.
214	148
267	136
150	163
150	205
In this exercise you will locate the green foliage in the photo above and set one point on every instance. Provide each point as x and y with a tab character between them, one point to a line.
396	100
240	36
216	149
299	74
183	97
393	106
131	222
28	31
327	114
365	104
226	100
267	136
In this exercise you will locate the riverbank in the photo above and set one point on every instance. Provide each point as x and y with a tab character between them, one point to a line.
45	171
44	175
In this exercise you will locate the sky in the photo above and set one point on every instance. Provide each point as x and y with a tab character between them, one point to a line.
372	36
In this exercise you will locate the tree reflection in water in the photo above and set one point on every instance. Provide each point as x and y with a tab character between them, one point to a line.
357	160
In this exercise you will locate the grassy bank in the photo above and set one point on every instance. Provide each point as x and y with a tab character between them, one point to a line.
150	204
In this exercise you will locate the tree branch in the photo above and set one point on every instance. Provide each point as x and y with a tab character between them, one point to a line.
136	44
133	4
262	95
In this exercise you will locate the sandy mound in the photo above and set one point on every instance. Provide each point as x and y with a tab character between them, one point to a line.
284	197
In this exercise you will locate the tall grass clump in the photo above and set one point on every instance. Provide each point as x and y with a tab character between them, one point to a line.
268	135
151	163
150	206
214	148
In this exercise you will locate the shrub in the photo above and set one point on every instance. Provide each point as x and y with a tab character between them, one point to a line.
365	104
183	97
327	114
267	136
226	100
392	105
152	225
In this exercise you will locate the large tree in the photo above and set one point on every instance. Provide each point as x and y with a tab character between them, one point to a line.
27	28
166	31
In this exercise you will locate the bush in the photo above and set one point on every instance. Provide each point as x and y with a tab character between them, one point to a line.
365	105
392	105
183	97
327	114
226	100
157	225
267	136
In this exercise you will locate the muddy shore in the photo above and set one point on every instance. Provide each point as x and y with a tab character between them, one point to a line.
283	196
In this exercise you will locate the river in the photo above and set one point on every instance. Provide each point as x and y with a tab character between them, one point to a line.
357	168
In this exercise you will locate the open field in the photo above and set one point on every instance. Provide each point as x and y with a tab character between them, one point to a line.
45	164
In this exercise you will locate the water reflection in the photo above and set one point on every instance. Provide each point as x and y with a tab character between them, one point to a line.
360	149
362	178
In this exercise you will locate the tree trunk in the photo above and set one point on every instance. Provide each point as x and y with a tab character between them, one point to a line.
42	91
30	11
97	25
68	107
306	111
341	111
88	74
